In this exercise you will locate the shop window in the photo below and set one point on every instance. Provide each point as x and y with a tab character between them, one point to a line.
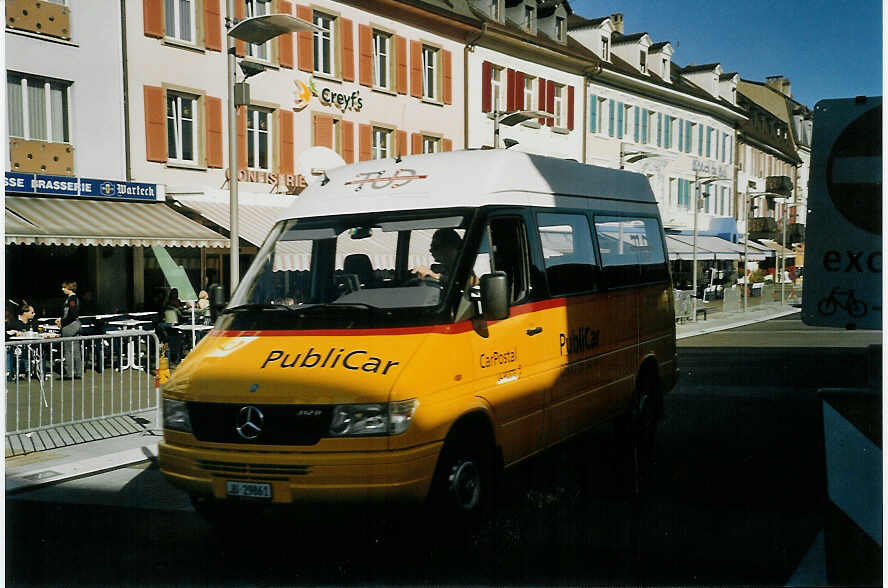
324	44
259	139
179	20
182	128
37	108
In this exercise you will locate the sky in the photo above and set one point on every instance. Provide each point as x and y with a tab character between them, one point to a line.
827	48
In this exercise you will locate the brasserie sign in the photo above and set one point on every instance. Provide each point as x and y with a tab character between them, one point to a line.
19	183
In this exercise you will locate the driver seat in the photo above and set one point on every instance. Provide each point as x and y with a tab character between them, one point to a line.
359	265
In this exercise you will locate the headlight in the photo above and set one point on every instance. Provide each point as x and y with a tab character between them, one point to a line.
175	416
392	418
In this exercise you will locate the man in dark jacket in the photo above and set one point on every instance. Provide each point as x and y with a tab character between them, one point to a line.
70	324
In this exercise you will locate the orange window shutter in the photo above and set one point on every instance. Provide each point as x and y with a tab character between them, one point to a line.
446	145
285	41
214	131
155	124
242	137
240	48
285	118
304	45
446	77
364	140
152	17
346	30
348	141
415	143
401	64
401	140
365	55
212	25
323	130
416	69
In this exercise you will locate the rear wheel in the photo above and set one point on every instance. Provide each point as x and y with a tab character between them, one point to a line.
639	428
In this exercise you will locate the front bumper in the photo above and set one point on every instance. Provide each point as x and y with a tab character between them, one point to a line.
371	476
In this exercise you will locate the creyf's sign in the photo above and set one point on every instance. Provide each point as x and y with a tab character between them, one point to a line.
327	96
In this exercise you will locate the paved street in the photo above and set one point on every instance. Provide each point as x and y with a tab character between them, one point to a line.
737	497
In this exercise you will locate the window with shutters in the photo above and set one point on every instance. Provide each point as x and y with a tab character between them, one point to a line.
324	44
381	144
180	22
37	108
431	144
259	138
183	127
258	8
627	120
496	89
382	62
529	93
560	110
430	70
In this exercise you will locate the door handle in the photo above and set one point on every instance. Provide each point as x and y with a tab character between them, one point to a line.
534	331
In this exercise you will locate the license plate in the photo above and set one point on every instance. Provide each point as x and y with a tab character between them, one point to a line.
248	490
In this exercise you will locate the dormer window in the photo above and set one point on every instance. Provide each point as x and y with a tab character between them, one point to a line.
529	18
665	69
559	28
605	48
642	61
494	9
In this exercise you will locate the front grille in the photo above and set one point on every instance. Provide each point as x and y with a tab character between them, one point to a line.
283	424
226	467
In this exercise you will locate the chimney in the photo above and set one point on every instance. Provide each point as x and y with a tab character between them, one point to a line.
779	83
617	20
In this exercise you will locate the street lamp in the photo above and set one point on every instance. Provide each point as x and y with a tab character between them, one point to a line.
698	181
747	210
255	30
510	119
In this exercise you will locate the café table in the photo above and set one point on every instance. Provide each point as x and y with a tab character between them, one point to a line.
32	340
131	346
194	329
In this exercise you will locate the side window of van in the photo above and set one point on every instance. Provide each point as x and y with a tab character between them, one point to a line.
509	254
568	254
631	249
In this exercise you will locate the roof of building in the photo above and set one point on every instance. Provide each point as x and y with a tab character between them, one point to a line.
618	38
575	21
659	45
755	130
701	67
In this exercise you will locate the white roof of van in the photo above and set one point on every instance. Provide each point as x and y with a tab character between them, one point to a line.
464	179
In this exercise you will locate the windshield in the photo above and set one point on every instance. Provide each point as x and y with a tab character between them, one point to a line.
371	268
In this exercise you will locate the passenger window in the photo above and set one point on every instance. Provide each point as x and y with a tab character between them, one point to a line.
631	249
508	254
568	255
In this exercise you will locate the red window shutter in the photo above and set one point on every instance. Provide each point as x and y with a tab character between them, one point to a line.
285	41
570	107
416	69
446	77
401	139
364	140
550	101
541	95
304	45
348	141
519	91
415	143
240	48
242	137
155	124
323	130
214	131
446	145
152	17
346	29
212	25
510	90
365	55
285	118
486	76
401	63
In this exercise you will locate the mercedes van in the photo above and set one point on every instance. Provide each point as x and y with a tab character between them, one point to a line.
412	326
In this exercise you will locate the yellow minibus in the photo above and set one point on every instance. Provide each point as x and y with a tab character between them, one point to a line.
413	326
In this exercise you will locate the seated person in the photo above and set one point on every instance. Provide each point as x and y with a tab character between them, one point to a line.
444	249
15	363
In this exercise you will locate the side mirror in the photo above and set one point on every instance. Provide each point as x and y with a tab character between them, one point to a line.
495	296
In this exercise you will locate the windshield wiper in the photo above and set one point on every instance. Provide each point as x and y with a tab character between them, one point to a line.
257	306
337	306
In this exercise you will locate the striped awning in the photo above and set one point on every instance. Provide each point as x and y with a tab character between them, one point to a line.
64	221
254	220
708	247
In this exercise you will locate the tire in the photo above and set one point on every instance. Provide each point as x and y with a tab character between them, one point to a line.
463	486
638	428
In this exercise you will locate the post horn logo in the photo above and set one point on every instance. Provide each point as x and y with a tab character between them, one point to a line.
304	92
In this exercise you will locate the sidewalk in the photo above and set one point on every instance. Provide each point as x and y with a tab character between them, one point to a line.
42	468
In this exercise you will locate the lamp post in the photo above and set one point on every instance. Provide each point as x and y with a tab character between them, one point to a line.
698	181
510	119
748	209
255	30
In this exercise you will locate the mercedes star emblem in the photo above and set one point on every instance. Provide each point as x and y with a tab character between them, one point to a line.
249	422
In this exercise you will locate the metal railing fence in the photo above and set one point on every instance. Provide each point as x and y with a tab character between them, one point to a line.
66	380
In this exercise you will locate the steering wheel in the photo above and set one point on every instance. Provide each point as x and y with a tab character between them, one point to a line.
415	280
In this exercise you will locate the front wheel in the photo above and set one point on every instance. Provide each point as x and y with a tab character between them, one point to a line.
462	489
